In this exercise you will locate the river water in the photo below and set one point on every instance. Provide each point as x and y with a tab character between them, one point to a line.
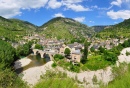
36	60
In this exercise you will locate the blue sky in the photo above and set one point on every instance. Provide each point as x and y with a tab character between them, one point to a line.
89	12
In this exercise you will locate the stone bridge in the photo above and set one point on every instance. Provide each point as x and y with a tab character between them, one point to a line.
42	53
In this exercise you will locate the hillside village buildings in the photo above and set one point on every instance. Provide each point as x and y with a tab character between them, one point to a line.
55	46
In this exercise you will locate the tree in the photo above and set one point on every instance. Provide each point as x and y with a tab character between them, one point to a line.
38	46
110	56
7	53
92	49
67	51
86	44
24	50
85	52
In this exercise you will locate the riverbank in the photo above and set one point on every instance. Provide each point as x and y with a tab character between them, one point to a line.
32	75
22	63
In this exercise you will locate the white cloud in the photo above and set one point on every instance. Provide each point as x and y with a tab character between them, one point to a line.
74	5
79	19
77	7
10	8
54	4
91	21
123	14
120	2
117	2
103	8
71	1
58	15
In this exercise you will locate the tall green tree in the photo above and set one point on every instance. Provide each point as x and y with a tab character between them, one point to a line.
86	44
85	52
67	51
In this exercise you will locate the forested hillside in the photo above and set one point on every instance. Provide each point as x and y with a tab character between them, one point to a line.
65	28
14	29
119	30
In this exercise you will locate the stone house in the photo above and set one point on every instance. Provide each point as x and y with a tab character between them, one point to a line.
75	53
76	56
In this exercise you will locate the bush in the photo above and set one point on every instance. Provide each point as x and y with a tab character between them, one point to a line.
95	63
75	68
58	56
127	53
110	56
54	65
92	49
94	79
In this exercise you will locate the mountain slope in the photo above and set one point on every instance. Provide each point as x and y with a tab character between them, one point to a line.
12	28
99	28
119	30
65	28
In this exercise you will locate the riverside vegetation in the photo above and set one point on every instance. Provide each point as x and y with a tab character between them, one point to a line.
8	78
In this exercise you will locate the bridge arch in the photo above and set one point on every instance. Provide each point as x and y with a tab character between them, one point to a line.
42	53
36	51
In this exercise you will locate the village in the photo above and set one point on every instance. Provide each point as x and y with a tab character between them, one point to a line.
54	46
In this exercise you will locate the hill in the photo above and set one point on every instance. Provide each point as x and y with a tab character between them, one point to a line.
119	30
99	28
13	29
65	28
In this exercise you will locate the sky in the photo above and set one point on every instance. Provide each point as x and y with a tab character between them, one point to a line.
89	12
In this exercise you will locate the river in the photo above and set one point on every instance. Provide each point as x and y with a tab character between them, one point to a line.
36	60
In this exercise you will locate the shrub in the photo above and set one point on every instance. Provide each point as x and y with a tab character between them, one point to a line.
58	56
54	65
94	79
92	49
75	68
127	53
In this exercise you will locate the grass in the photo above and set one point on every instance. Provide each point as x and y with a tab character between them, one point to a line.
95	63
69	66
122	77
56	79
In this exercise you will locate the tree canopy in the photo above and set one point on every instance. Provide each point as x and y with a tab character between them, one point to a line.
7	53
67	51
24	50
8	79
38	46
